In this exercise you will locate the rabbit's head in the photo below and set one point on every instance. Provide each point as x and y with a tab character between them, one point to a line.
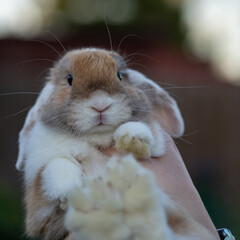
95	92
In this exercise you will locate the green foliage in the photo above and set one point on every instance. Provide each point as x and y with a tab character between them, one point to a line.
145	16
11	215
223	215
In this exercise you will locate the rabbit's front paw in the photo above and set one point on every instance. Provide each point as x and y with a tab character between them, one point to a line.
59	177
136	185
96	212
143	202
121	205
135	138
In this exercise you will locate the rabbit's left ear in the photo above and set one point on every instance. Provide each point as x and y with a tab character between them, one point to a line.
165	107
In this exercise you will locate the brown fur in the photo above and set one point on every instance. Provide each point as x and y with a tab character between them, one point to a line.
140	104
29	127
93	71
181	223
177	221
36	224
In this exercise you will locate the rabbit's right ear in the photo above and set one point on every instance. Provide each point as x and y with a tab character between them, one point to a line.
32	117
165	107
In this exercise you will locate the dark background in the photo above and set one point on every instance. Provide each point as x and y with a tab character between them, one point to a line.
209	103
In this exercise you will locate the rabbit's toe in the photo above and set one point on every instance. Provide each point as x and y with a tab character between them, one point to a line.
135	138
95	212
63	202
137	146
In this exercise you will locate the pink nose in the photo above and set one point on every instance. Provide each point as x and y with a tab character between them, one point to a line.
100	108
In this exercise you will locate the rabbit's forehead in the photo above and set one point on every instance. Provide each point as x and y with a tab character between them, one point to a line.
98	60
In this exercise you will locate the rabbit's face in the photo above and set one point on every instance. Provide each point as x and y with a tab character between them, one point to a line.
93	93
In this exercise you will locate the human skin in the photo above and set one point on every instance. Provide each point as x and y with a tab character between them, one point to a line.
172	176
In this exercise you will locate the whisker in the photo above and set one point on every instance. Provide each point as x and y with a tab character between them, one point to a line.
145	55
167	88
60	123
161	119
61	114
132	54
108	31
148	89
54	35
125	37
190	134
165	83
41	73
156	92
15	114
139	64
19	93
140	83
54	117
185	87
182	139
176	96
37	59
47	44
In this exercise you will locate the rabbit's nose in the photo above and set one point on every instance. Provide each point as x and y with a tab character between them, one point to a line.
99	108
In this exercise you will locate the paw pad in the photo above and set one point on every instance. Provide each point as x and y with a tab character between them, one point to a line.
137	146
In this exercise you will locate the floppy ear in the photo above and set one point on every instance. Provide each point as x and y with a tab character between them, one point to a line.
31	119
164	106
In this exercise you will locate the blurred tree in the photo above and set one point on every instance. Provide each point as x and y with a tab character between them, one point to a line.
66	16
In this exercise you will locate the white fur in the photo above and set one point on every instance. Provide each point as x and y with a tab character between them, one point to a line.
90	49
60	177
100	100
153	135
158	148
137	77
33	115
46	146
87	119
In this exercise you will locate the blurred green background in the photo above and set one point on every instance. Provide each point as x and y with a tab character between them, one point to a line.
194	60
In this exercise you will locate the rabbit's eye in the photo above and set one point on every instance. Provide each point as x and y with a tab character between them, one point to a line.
70	79
119	75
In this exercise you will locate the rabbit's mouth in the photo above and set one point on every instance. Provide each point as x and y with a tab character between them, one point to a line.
101	119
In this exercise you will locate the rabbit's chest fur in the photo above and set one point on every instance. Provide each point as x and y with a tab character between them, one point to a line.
45	144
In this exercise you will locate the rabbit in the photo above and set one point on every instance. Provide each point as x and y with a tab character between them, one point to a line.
91	101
